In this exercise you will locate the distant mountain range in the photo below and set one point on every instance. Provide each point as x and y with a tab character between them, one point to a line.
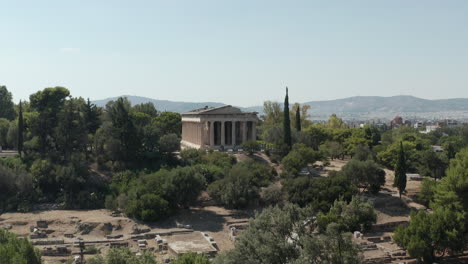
349	108
161	105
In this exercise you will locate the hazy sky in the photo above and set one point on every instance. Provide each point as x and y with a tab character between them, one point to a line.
237	52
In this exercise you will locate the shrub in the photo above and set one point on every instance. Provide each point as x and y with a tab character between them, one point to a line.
14	250
192	258
434	233
358	215
237	189
364	174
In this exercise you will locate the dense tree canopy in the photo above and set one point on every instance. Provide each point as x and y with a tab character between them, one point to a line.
7	110
17	251
431	233
282	235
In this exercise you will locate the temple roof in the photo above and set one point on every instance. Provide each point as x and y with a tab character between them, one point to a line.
225	109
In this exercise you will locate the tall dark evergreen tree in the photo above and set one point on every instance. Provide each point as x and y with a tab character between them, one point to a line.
6	104
298	118
20	128
400	171
91	114
287	121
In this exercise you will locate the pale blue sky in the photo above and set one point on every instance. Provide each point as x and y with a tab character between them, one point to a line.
236	52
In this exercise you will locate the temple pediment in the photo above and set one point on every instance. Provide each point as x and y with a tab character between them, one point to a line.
222	110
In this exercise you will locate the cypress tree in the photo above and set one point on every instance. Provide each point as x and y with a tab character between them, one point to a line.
298	118
20	128
400	171
287	121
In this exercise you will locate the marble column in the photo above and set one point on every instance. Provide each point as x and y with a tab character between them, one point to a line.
233	135
212	133
254	130
223	133
244	131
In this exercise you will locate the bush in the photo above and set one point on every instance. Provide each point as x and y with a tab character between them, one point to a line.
14	250
169	143
122	256
280	235
251	146
319	193
298	158
431	234
210	172
192	258
149	207
151	197
428	189
364	174
272	195
237	189
358	215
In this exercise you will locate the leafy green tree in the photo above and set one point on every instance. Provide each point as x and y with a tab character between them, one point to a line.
434	233
319	193
4	127
169	143
400	171
91	117
356	140
148	207
357	215
123	130
17	251
287	122
282	235
238	189
192	156
6	104
262	173
428	189
273	113
453	189
318	135
335	122
298	158
169	122
147	108
363	153
331	247
366	175
184	185
298	119
48	103
122	256
12	135
251	146
293	163
44	173
20	128
16	186
70	134
192	258
333	149
210	172
303	116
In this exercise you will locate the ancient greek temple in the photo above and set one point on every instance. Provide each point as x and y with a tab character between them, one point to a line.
218	127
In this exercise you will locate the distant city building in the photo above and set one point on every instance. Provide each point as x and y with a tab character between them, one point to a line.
437	148
418	124
430	128
396	122
218	127
449	123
